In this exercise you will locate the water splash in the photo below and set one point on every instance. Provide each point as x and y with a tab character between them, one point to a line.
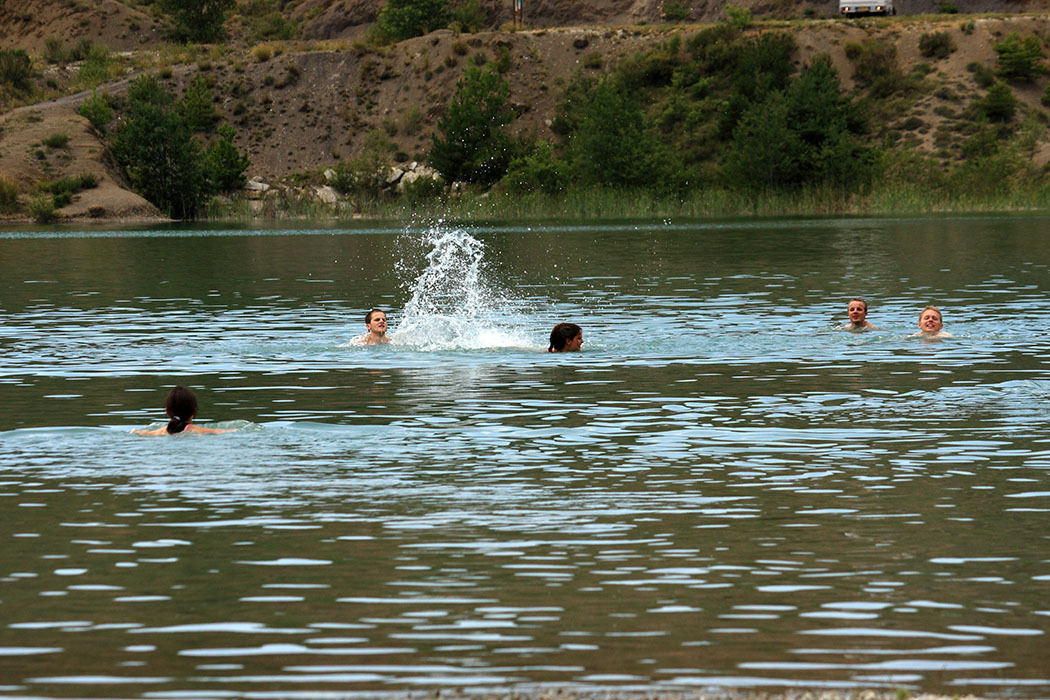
454	303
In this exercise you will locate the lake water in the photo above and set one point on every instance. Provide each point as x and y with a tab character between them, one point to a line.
721	492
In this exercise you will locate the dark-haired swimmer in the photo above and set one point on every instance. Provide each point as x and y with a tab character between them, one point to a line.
375	322
181	407
931	324
566	337
858	314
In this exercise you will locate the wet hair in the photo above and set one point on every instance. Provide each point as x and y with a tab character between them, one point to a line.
562	334
861	301
940	316
181	405
368	316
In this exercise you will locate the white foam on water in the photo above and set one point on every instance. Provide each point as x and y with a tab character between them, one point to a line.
454	303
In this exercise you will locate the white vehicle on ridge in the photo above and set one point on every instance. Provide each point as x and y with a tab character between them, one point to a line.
860	7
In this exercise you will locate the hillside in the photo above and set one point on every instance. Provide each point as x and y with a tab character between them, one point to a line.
302	105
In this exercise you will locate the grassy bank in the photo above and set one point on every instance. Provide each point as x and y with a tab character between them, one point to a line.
608	204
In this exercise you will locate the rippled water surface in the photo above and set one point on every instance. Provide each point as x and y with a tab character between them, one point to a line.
720	492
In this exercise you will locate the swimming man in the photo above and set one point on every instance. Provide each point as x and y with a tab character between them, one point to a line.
375	322
858	313
931	324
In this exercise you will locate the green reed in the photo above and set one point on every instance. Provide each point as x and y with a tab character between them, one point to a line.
607	204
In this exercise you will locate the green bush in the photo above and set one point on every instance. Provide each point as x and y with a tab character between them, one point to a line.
537	170
15	69
766	151
982	74
226	163
615	145
98	68
57	140
999	105
947	8
471	143
158	153
808	134
55	50
674	11
198	105
875	67
936	45
502	62
423	189
739	17
1020	59
404	19
72	184
96	109
8	195
197	20
365	174
469	17
274	26
42	209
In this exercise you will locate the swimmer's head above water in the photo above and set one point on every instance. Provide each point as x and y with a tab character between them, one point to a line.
566	337
181	407
931	324
858	314
375	322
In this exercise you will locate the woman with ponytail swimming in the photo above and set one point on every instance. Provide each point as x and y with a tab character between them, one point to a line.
181	407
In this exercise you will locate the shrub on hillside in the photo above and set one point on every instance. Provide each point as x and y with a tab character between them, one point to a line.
198	105
56	140
999	105
97	68
365	174
807	134
471	143
97	110
1020	59
8	195
42	209
615	145
469	17
936	45
226	164
72	184
739	17
158	153
197	20
762	65
982	74
674	11
15	68
404	19
875	67
55	50
536	170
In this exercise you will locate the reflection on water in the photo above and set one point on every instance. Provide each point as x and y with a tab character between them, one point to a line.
720	492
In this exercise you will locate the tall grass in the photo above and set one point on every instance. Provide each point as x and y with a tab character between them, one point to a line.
99	67
608	204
